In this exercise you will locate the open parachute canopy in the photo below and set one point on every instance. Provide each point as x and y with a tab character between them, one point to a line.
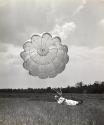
44	56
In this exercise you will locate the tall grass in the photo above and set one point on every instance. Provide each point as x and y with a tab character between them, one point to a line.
25	111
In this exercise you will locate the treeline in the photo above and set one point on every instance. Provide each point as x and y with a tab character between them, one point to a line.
97	87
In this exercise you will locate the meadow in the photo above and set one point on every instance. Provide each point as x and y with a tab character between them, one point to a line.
41	109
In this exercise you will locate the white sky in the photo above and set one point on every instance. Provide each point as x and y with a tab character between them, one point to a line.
79	23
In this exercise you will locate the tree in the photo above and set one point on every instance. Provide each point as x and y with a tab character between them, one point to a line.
79	84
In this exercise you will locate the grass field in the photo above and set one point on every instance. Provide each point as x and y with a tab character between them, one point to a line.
31	111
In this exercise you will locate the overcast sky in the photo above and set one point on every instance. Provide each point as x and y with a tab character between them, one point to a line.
79	23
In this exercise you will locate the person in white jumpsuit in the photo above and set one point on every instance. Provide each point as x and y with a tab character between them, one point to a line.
61	100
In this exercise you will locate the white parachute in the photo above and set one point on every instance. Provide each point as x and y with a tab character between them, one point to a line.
44	56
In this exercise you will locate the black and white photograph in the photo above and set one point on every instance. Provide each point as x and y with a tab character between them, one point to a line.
51	62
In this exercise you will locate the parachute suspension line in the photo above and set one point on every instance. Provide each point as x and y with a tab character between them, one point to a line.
41	43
